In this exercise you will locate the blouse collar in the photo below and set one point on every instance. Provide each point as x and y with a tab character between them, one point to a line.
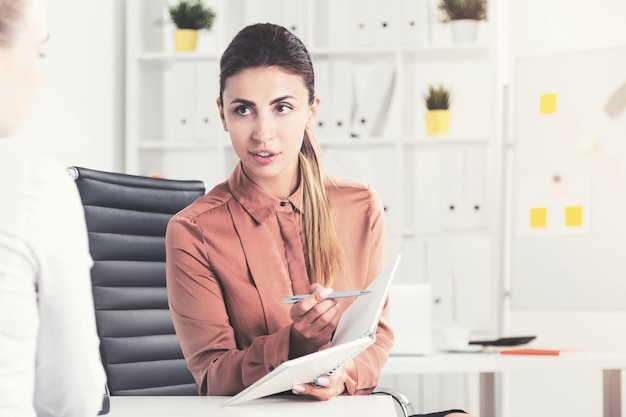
258	203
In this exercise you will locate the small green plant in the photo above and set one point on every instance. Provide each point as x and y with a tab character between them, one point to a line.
463	9
192	14
437	98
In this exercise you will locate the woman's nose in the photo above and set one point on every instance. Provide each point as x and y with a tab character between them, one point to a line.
264	129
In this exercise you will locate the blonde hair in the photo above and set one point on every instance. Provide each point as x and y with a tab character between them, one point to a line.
324	251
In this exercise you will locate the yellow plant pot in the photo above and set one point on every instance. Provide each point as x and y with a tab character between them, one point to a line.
185	39
437	122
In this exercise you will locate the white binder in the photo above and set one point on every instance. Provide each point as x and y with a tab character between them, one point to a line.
386	22
339	17
265	11
178	102
413	22
322	89
426	191
373	101
440	273
361	22
342	96
293	17
206	116
355	332
453	171
475	201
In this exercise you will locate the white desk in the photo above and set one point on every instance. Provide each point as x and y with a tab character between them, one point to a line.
488	364
362	406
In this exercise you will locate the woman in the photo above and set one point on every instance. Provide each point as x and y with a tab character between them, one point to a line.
49	360
276	227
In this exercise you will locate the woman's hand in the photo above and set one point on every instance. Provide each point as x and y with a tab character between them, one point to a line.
325	387
315	319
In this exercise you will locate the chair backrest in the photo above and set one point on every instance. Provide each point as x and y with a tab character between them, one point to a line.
126	219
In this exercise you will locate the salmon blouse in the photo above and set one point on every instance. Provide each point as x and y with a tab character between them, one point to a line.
232	256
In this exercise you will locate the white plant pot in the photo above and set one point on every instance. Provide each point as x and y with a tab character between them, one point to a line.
464	30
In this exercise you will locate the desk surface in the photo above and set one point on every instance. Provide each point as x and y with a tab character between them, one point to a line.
362	406
494	362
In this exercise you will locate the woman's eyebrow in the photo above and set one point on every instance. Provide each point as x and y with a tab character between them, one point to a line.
243	101
279	99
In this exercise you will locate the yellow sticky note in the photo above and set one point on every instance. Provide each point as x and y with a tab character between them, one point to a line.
538	216
573	216
547	104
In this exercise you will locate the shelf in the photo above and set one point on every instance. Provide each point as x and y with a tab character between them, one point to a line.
171	57
180	145
452	52
430	52
434	141
329	142
355	52
446	233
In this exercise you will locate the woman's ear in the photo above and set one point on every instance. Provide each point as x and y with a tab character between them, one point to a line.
218	101
313	112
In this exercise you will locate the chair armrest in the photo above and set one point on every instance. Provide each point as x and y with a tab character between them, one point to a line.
401	400
106	402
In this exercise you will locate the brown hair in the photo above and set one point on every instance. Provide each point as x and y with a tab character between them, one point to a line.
10	19
264	45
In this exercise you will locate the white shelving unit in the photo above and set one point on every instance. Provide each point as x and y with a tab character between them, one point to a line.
446	232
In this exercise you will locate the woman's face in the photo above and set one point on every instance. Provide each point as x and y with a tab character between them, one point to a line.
20	69
266	110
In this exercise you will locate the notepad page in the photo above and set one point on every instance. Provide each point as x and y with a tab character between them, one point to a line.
361	318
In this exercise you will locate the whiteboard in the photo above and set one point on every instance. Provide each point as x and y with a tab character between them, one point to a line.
568	238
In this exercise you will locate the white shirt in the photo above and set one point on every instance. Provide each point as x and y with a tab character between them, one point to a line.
49	359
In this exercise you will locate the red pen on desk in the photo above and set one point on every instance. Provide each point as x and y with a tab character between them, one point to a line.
334	295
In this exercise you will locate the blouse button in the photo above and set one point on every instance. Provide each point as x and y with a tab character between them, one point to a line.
283	203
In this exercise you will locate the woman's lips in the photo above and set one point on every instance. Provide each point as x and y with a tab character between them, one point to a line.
264	157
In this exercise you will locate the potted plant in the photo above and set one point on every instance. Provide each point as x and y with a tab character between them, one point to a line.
463	15
437	100
190	16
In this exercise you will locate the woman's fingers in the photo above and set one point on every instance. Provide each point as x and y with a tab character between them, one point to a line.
324	387
315	319
317	295
319	322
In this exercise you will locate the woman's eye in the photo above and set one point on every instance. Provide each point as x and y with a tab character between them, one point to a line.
283	108
242	110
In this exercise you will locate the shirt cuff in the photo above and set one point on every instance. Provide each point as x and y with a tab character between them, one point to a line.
276	349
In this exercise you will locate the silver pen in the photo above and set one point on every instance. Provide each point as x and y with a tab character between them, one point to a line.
337	294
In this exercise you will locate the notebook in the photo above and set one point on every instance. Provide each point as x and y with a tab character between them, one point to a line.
355	332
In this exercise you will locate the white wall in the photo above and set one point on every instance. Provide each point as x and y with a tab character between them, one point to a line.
549	26
77	113
540	27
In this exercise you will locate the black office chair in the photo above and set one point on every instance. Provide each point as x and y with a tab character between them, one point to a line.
126	219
